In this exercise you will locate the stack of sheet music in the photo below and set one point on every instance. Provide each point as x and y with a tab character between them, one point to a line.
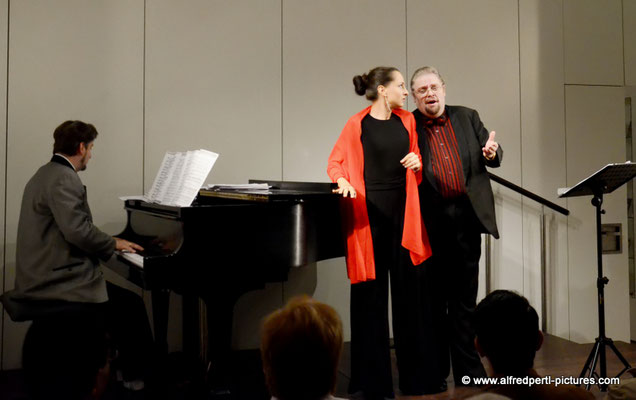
180	177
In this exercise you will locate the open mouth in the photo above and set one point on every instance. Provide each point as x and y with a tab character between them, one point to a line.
431	102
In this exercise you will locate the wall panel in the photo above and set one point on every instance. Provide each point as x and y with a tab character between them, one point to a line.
593	42
629	41
213	81
4	25
543	160
324	45
475	46
73	60
595	132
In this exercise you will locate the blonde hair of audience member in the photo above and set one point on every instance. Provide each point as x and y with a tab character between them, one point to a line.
300	348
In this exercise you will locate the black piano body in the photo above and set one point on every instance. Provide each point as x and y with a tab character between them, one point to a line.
227	243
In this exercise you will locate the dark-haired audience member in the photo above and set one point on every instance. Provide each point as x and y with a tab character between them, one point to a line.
507	339
376	163
300	348
66	358
58	250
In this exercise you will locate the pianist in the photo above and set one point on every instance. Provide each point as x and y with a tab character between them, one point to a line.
59	247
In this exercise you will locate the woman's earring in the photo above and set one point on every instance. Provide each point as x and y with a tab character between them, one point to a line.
386	102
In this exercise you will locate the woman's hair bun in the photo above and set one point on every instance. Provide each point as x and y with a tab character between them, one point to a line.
361	83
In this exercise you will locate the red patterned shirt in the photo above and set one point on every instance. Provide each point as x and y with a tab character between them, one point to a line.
447	166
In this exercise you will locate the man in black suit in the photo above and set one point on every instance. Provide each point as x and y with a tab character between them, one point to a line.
457	207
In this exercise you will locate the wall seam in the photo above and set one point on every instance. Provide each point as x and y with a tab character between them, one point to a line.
623	40
143	108
406	47
565	150
282	121
6	163
282	129
523	255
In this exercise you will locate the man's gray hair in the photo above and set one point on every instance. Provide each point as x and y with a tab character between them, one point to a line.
426	70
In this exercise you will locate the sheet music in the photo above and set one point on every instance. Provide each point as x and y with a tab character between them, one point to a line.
180	177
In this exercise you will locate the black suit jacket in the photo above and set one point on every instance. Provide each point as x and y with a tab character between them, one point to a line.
471	137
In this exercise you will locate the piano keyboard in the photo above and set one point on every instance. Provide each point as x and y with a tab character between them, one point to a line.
134	258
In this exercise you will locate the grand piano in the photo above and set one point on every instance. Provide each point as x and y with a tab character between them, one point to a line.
228	242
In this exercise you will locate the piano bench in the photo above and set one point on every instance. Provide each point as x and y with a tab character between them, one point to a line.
20	310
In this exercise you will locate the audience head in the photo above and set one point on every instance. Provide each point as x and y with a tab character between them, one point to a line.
300	348
507	332
66	358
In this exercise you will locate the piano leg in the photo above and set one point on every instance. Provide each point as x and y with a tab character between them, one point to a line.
220	311
160	306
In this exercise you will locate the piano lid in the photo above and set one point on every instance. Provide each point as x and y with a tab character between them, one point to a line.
279	191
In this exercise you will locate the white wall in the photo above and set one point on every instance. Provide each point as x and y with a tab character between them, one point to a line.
267	84
629	37
213	81
593	32
543	159
4	23
73	60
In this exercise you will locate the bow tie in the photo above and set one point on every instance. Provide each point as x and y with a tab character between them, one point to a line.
441	120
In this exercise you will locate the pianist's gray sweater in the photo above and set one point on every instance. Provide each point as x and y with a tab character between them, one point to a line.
58	246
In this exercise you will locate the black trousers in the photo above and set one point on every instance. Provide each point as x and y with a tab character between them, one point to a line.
370	353
451	276
127	323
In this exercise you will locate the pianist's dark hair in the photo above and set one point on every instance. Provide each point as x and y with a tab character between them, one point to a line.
367	84
70	134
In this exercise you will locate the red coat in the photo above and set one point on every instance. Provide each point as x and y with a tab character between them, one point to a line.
347	160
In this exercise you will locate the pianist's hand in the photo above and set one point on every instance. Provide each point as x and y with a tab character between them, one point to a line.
126	246
345	188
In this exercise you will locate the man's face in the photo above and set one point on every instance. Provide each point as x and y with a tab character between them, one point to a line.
86	151
430	95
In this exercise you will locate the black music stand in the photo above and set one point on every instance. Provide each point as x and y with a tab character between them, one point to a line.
605	180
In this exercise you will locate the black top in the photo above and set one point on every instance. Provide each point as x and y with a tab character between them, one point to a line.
384	143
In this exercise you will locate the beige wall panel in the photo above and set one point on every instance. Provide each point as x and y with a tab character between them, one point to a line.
543	144
595	132
213	81
629	41
507	252
324	45
557	275
475	46
631	92
593	42
73	60
476	49
4	20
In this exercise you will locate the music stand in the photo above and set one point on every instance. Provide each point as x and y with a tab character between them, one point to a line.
605	180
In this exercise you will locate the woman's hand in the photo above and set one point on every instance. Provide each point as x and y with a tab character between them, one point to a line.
345	188
412	162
